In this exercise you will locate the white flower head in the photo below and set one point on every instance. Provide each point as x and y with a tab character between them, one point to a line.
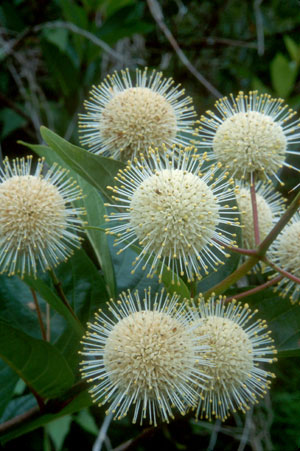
124	118
177	214
251	134
238	347
38	225
144	355
270	206
285	252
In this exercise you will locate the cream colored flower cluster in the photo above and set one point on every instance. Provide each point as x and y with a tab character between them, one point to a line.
161	356
182	209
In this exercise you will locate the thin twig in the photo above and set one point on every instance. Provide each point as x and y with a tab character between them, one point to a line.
59	290
261	287
133	443
14	107
259	27
246	430
102	433
48	328
281	271
254	211
214	435
157	14
19	419
237	250
212	40
262	249
80	31
39	315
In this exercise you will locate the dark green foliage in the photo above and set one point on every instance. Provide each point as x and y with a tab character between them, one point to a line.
51	53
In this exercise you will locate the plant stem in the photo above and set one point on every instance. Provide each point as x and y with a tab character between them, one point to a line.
48	328
232	278
244	294
238	250
19	419
281	271
291	210
260	252
39	315
59	290
254	211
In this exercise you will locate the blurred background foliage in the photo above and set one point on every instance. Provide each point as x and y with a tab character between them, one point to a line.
52	52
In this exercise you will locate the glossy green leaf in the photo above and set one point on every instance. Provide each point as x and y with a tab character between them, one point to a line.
98	171
83	285
18	406
81	401
283	75
87	422
61	67
283	319
94	206
8	380
37	362
54	300
293	49
58	430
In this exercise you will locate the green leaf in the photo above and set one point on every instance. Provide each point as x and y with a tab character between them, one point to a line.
11	121
283	75
76	15
37	362
293	49
57	36
87	422
283	319
61	67
8	380
58	430
83	285
81	401
49	296
98	171
18	406
93	203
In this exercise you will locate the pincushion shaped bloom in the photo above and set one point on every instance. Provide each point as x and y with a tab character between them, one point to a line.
239	346
38	225
285	252
177	214
251	134
124	118
270	206
144	355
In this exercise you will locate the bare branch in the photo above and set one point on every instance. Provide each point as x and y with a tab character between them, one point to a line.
259	27
157	14
80	31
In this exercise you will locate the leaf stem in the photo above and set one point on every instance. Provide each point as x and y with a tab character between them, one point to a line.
238	250
260	252
281	271
59	290
39	315
254	210
19	419
261	287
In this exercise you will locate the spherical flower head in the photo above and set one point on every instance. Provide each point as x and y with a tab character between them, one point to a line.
285	252
123	119
145	355
251	134
237	347
270	206
38	227
177	215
